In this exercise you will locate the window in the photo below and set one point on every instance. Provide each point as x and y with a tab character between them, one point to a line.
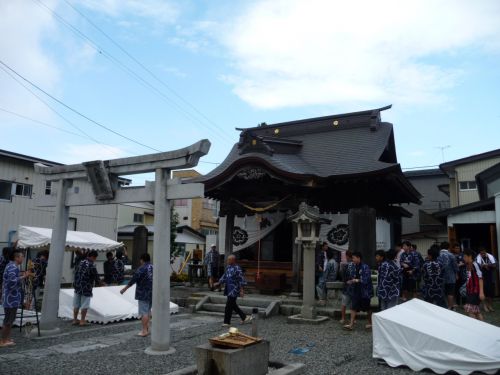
5	190
48	187
23	190
468	185
181	202
208	231
211	204
138	218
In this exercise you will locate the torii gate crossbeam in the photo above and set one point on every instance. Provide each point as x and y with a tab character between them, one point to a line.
103	177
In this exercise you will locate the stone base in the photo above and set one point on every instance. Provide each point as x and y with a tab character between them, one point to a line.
150	351
298	319
251	360
279	369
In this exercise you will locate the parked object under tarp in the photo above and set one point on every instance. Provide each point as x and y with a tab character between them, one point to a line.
424	336
107	305
33	237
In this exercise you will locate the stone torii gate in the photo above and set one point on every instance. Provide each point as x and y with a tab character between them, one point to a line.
98	183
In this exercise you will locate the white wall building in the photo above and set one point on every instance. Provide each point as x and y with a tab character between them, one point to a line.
19	187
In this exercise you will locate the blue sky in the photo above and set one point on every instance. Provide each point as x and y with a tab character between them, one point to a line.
243	63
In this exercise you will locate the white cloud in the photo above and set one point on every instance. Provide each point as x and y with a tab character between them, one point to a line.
22	30
292	53
161	11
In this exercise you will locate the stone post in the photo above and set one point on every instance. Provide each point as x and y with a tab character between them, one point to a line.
296	265
50	306
308	303
160	330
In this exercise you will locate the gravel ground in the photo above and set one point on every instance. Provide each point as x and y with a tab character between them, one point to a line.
115	348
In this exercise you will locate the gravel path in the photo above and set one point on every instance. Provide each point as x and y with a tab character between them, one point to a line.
115	349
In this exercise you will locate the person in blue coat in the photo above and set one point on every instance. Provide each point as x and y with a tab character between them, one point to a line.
12	295
432	274
143	278
389	281
362	290
234	281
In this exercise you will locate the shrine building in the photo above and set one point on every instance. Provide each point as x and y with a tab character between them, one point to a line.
344	164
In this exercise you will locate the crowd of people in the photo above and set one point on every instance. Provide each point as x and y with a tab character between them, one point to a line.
447	277
14	284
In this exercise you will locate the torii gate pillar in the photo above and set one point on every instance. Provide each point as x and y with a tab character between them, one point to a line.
160	332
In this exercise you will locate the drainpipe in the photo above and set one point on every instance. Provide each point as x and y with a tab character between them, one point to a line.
11	237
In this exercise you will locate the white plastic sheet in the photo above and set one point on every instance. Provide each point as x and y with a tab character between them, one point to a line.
38	237
107	305
421	335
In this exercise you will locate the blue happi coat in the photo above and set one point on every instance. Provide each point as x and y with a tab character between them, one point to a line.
432	276
449	267
389	280
411	259
233	280
12	288
143	277
365	286
348	274
85	277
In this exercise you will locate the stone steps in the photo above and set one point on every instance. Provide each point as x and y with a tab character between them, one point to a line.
215	304
215	307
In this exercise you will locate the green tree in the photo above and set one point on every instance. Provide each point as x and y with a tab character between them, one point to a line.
174	248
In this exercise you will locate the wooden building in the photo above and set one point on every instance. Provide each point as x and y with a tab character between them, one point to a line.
345	164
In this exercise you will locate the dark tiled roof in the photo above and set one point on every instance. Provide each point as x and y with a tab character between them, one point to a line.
329	148
354	146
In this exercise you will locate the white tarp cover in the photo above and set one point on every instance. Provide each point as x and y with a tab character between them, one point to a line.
38	237
421	335
107	305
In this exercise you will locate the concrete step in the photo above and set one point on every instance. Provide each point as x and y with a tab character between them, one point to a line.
212	307
246	301
335	314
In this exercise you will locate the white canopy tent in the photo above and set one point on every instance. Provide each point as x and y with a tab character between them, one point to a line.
107	305
424	336
33	237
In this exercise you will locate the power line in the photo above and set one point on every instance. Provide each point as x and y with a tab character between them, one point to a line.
138	62
125	68
41	123
83	135
54	110
76	111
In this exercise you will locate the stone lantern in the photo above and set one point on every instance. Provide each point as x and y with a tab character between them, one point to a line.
308	222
